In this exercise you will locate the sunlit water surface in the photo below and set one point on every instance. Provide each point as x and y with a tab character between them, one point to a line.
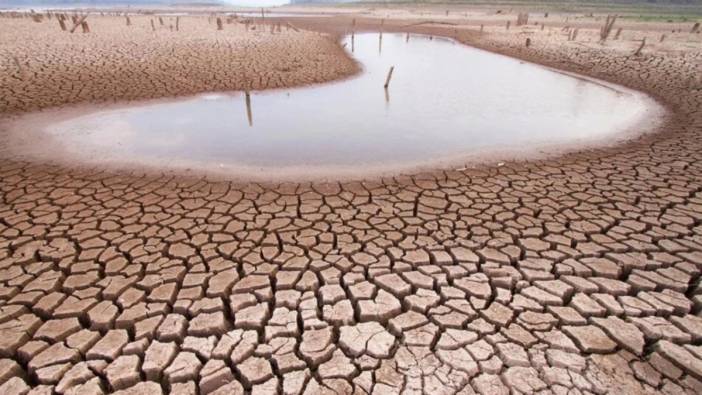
445	100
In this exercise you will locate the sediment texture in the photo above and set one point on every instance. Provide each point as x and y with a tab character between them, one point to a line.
119	62
576	275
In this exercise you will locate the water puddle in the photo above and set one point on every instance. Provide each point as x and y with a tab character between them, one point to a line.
446	104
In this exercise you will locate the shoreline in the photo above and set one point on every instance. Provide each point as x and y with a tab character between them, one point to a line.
646	124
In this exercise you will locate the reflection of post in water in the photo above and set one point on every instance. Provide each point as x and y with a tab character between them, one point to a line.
248	108
353	41
407	38
380	43
387	96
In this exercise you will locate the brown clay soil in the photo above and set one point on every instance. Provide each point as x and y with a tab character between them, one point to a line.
574	275
119	62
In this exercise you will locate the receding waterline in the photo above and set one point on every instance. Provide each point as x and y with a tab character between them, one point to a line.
444	100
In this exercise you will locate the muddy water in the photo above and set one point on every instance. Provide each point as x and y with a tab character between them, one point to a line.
446	103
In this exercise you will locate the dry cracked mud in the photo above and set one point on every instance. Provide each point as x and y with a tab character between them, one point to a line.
572	275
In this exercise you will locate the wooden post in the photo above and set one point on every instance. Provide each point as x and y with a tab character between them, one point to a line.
62	24
177	23
219	23
129	21
638	51
86	28
528	42
249	115
619	32
153	26
389	77
77	23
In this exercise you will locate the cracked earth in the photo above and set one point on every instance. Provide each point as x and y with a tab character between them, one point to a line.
572	275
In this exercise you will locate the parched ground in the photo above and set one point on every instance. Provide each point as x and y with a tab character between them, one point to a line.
576	275
43	66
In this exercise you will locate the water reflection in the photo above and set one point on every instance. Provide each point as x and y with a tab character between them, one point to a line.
447	100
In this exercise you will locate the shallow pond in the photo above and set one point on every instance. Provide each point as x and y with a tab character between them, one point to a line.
446	103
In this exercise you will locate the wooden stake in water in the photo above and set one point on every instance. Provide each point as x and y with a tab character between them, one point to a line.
380	43
249	115
353	41
389	77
